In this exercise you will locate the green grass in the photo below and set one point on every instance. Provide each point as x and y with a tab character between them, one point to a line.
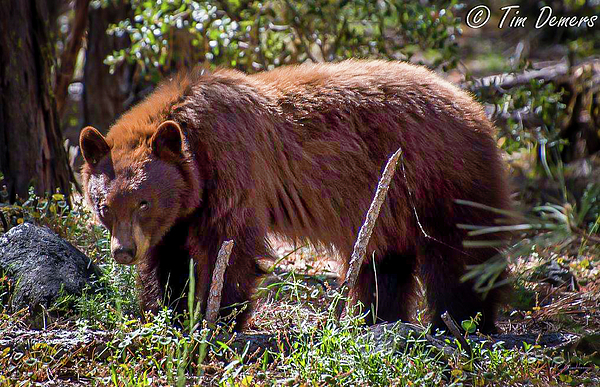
314	349
323	351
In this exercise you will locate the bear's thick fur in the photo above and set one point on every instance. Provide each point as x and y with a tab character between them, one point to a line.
298	151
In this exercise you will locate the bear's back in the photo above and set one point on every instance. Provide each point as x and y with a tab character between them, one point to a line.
313	88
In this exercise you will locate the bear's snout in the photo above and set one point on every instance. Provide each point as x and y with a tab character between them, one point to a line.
123	246
123	255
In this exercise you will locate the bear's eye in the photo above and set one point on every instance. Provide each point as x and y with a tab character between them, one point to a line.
144	205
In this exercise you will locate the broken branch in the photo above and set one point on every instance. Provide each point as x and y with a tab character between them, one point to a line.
216	286
364	235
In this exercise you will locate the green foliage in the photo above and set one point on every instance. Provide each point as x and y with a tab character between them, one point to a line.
322	351
544	102
156	347
253	35
547	226
341	354
589	208
112	298
470	326
72	222
535	113
112	301
540	110
5	291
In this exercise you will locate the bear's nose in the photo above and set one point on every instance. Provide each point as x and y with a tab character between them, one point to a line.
124	256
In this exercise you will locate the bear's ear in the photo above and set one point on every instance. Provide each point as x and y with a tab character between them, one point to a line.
167	142
93	145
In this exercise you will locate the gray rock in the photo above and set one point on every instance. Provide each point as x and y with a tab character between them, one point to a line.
39	264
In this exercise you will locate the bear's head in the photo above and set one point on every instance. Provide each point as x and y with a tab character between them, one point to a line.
138	190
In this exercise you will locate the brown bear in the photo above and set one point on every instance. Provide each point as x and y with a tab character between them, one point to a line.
298	151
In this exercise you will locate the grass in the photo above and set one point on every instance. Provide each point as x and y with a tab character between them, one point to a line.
323	352
102	339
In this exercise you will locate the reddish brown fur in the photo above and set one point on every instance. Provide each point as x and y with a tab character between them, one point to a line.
298	151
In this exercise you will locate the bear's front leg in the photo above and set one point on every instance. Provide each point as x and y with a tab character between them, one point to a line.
151	290
241	274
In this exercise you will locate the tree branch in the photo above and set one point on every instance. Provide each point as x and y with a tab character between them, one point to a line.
510	80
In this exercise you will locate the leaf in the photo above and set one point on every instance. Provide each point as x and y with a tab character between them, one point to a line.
469	326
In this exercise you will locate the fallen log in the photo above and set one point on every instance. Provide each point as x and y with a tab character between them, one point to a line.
558	72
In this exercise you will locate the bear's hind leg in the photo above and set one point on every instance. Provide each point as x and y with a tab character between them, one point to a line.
394	286
441	269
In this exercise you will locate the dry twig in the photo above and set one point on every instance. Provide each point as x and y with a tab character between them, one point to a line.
364	235
453	328
216	286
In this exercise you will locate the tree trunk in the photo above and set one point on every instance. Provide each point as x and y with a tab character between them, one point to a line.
69	55
31	150
105	95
